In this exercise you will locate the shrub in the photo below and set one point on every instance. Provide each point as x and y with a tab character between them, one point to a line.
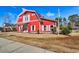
53	29
65	31
69	27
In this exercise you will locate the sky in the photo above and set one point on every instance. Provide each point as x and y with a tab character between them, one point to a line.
48	11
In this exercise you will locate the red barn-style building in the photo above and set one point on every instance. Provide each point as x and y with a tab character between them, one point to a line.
31	21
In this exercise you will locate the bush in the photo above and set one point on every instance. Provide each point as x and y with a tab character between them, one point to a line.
53	29
65	31
69	27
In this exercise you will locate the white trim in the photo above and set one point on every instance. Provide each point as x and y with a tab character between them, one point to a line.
33	14
24	20
31	27
34	27
42	27
24	10
27	22
46	27
49	28
28	17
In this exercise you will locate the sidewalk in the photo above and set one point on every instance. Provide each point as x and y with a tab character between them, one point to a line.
7	46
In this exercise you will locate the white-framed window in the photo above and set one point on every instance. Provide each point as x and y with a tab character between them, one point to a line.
26	18
33	14
51	27
33	28
46	28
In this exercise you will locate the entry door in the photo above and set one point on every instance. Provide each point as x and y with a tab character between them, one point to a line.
25	27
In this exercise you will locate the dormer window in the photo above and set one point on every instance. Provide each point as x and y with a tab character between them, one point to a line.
26	18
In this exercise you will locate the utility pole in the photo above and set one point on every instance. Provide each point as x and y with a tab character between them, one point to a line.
58	30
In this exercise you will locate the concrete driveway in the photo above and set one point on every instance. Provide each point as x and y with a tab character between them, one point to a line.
8	46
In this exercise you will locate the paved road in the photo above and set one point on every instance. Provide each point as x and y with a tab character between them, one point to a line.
7	46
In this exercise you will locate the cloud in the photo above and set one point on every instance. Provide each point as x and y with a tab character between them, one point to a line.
50	14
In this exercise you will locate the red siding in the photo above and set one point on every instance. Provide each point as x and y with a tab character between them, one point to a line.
48	22
32	16
33	21
19	19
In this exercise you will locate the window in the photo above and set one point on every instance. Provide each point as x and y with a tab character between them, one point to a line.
24	26
45	28
33	28
33	14
51	27
26	18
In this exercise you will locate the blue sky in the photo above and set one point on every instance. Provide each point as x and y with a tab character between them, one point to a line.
47	11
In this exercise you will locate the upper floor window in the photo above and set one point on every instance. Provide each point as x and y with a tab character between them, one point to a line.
26	18
33	14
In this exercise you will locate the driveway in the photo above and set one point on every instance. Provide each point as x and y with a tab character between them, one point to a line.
8	46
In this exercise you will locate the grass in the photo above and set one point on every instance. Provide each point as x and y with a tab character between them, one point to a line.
47	41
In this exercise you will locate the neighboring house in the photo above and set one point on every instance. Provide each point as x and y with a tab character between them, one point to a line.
31	21
1	29
9	27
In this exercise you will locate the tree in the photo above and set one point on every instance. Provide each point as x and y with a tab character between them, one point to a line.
7	23
60	21
71	18
65	22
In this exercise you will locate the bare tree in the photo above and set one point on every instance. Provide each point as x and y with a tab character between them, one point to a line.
7	23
